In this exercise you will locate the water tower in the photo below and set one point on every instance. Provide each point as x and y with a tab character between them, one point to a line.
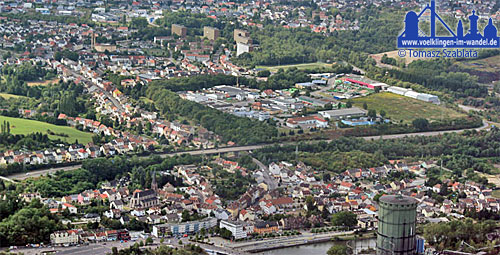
397	217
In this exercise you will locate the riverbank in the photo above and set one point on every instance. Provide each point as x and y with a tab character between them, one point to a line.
322	248
305	240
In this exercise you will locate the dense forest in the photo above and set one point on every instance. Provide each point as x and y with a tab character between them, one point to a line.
280	45
16	76
461	153
60	97
194	83
22	223
24	17
449	235
33	141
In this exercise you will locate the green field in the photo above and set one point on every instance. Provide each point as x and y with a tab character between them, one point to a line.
404	108
7	96
298	66
24	126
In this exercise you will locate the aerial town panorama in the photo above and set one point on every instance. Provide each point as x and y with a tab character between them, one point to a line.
266	127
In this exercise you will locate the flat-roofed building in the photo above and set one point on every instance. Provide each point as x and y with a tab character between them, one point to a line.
243	48
236	228
353	112
178	229
179	30
307	121
211	33
242	36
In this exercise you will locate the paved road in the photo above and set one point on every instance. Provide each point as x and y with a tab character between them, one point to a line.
115	102
270	182
486	125
470	108
7	179
37	173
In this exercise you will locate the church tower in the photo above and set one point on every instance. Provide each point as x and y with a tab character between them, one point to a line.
154	185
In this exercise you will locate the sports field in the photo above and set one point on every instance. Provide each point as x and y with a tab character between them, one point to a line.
298	66
404	108
24	126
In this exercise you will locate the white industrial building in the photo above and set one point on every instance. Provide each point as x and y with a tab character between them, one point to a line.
413	94
236	228
398	90
428	98
243	48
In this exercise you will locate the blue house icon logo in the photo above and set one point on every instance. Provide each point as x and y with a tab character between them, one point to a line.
414	37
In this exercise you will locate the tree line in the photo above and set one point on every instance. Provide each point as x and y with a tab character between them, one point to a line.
461	153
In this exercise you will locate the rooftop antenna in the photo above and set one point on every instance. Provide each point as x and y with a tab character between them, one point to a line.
203	156
441	165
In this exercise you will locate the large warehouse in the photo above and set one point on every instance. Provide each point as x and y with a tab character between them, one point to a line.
413	94
338	114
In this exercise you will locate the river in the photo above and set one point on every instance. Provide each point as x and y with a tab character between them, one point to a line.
319	248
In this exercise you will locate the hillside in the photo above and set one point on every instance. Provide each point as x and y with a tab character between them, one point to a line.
24	126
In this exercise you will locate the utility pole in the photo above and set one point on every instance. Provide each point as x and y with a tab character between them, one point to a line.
296	152
441	162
